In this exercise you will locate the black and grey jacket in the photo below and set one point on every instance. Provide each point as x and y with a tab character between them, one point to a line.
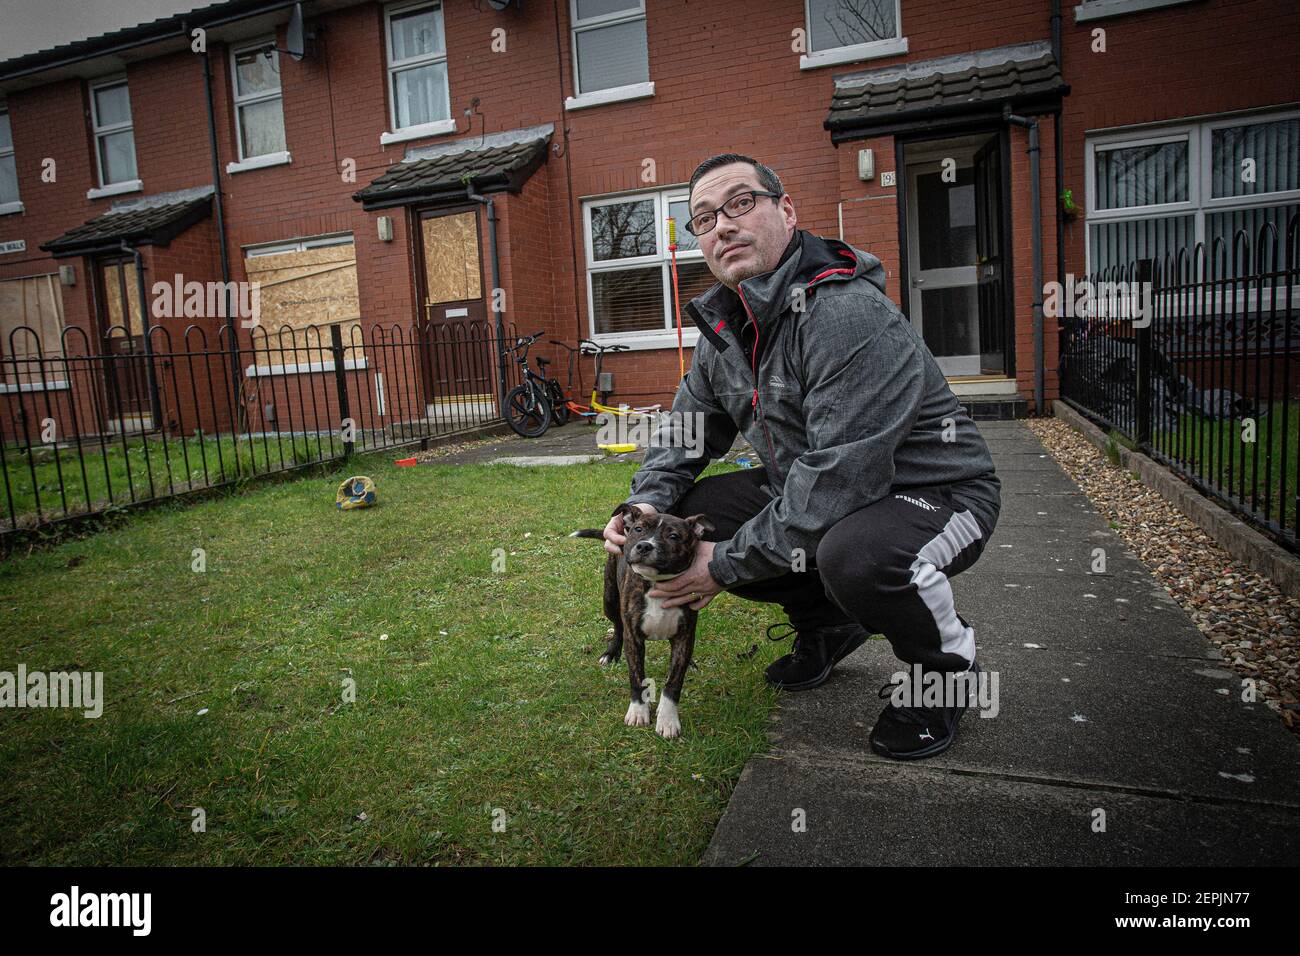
835	390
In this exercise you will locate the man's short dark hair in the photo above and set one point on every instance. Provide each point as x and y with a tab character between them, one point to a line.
767	179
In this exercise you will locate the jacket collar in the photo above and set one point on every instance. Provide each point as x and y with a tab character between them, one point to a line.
807	260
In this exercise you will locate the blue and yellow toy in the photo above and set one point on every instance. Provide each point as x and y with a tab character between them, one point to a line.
357	492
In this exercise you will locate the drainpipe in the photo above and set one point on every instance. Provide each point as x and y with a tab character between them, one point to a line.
155	407
496	284
219	207
1037	235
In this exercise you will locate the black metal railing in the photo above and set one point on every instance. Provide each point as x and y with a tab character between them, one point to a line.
1193	358
87	427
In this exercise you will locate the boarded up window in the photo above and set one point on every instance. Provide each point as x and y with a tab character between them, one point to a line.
35	302
308	286
451	268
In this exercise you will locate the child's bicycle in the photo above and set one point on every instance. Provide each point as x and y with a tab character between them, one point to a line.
602	385
538	402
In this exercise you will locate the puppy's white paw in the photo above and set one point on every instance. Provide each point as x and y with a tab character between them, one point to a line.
606	659
667	723
638	715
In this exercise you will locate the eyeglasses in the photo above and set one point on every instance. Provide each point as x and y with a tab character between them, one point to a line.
733	208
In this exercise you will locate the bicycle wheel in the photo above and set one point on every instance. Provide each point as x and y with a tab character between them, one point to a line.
528	411
559	408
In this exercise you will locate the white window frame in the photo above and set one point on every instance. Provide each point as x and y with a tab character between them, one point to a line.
1199	137
298	245
16	206
613	94
98	131
644	338
395	133
279	157
876	49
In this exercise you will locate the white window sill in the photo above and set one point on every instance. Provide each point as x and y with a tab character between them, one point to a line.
615	94
894	46
440	128
281	158
116	189
8	389
640	341
1112	8
303	368
10	208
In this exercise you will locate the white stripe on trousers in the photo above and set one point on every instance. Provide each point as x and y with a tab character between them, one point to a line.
934	587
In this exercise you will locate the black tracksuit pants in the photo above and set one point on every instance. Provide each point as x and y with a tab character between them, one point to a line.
886	566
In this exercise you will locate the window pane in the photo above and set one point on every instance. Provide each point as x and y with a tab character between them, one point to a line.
1121	243
679	210
8	179
629	300
6	135
416	33
421	95
693	278
1274	149
1142	175
257	71
946	219
612	56
262	127
112	105
117	157
599	8
622	230
836	23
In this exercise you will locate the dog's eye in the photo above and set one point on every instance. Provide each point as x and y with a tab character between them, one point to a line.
638	529
673	536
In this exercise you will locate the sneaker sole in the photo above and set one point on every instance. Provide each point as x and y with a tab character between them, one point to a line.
849	647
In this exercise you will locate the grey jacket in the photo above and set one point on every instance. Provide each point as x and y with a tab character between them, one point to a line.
837	393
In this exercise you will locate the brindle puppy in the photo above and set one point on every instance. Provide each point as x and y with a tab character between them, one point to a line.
659	547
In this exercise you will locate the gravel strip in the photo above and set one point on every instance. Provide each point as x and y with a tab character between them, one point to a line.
1254	625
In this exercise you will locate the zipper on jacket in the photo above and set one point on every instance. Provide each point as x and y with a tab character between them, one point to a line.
753	402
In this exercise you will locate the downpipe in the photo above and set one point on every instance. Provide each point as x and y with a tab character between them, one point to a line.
1036	234
496	284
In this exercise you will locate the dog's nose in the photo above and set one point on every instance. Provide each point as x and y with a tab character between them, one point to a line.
642	547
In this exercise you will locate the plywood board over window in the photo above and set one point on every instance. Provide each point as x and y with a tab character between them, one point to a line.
37	303
451	267
121	321
301	289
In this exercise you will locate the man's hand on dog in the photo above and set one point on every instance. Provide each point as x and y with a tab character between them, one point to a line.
694	580
682	589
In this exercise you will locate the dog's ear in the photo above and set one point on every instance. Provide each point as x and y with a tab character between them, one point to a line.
699	524
629	512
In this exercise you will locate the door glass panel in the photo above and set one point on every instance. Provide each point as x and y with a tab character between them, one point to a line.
945	215
951	323
114	276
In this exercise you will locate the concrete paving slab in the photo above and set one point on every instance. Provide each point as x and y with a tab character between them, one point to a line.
1109	698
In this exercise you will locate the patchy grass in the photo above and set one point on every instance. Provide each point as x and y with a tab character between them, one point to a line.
484	695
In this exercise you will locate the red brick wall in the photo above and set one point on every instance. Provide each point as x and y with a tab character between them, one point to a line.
1201	58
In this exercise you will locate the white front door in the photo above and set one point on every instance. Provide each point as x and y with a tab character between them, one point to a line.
943	299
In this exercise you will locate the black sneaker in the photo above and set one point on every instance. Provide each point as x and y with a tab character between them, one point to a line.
816	651
910	733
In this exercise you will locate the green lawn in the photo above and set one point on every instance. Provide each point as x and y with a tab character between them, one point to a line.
136	468
1218	448
486	693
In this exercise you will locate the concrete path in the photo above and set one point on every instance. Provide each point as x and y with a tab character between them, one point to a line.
1114	710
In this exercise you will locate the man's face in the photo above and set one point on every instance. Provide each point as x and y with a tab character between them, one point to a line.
737	249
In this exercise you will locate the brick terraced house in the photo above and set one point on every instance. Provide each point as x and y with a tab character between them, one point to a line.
379	164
